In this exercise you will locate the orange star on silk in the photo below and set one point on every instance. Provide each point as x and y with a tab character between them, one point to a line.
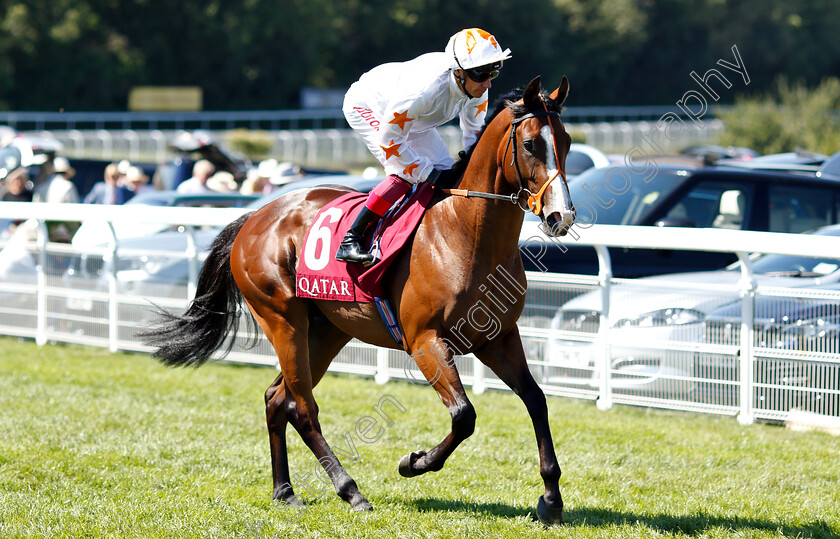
391	150
481	108
400	119
409	170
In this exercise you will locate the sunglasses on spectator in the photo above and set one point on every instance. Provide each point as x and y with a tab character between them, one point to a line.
480	76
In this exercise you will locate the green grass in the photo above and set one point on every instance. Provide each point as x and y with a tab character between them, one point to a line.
94	444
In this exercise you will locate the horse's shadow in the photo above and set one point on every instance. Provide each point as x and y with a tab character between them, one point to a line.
593	517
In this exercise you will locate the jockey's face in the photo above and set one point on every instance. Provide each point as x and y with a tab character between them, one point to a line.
475	89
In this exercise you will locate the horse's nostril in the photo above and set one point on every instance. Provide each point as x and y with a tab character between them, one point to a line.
556	225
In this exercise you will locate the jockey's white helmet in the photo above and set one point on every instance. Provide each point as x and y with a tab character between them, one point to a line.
473	47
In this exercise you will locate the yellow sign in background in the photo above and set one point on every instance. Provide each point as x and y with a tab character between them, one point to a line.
165	98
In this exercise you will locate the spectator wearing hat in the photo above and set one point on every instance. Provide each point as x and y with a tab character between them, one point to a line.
222	182
285	173
202	171
107	191
58	188
257	182
137	181
16	188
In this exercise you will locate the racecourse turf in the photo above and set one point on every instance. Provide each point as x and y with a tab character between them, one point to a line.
94	444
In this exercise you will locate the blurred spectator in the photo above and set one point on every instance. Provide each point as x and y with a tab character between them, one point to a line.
7	135
16	188
107	191
202	171
257	182
137	181
222	182
58	188
286	173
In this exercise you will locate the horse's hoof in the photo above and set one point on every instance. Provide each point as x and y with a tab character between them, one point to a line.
549	516
363	506
407	463
289	500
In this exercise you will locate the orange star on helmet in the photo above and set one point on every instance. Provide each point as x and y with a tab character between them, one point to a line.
400	119
391	150
488	36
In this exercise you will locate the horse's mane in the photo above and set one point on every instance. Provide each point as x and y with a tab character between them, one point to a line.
507	101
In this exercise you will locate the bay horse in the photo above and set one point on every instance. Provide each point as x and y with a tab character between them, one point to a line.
440	278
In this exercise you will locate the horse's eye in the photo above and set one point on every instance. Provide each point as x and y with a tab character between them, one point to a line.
529	146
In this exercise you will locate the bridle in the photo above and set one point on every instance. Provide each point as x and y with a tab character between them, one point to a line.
533	201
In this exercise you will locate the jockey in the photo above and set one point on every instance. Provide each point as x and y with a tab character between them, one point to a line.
396	108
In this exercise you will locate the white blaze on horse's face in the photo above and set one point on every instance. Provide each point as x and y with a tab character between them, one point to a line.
558	213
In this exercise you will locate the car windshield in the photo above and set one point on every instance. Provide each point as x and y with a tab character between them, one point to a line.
795	266
577	162
799	266
620	196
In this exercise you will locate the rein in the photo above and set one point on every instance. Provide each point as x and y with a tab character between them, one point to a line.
534	201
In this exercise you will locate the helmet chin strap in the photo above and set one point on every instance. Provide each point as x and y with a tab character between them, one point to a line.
462	80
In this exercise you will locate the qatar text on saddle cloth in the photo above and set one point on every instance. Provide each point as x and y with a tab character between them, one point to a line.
321	276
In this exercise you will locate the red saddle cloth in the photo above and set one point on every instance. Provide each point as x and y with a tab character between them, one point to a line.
321	276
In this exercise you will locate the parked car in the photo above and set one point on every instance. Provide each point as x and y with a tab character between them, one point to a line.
711	153
93	233
154	265
797	347
582	157
799	160
664	309
709	197
830	168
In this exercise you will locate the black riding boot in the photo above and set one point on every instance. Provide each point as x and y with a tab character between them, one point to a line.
350	249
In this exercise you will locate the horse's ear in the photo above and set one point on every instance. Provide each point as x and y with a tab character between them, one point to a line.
562	92
532	92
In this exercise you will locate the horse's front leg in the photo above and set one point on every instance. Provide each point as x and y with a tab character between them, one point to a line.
436	363
506	358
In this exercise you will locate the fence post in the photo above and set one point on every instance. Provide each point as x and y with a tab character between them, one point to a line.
133	144
479	381
78	142
381	377
113	304
603	361
311	153
160	145
41	294
192	262
747	289
107	144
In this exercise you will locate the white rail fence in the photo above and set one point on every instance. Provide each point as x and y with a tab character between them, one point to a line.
739	370
321	147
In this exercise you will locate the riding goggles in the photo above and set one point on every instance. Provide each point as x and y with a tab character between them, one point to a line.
485	72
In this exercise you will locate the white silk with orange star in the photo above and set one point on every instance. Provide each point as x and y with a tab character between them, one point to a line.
397	107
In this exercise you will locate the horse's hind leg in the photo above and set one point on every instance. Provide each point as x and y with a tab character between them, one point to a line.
275	416
325	341
303	361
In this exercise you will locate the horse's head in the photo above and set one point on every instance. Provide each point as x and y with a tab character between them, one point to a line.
539	144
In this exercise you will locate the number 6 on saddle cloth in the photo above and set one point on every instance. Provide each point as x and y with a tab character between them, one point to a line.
320	276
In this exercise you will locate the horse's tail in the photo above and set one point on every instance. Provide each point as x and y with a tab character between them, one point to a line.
190	339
